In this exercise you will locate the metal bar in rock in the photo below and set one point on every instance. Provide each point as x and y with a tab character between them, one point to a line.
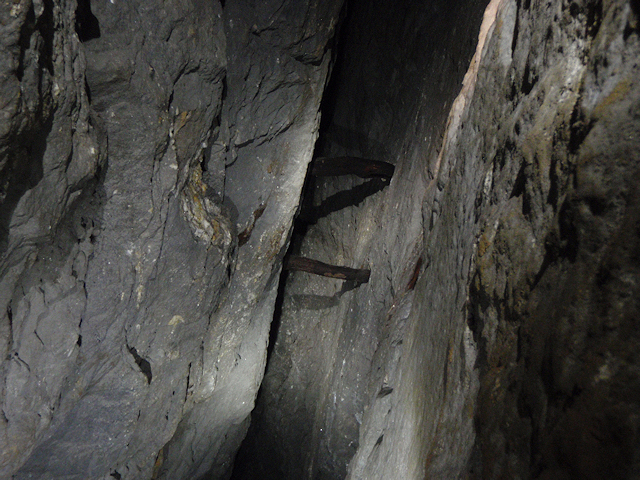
308	265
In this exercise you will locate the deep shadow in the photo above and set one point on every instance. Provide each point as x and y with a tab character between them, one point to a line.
329	97
44	25
23	171
87	25
277	313
347	198
341	136
322	302
349	140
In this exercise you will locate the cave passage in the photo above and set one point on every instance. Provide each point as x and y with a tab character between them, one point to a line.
394	64
320	239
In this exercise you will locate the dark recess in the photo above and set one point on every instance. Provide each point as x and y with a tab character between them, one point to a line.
23	172
144	365
329	98
44	26
87	25
348	198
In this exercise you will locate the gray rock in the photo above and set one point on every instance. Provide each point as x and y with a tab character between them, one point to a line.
153	156
341	353
506	358
136	325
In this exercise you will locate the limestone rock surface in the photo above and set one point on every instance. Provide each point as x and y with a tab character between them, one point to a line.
497	335
134	317
154	176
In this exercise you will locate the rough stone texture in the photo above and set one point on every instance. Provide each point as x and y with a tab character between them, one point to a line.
338	359
51	147
515	354
152	159
268	153
134	318
555	287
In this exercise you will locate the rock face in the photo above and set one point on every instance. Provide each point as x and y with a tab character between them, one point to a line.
134	317
337	375
153	157
554	294
496	338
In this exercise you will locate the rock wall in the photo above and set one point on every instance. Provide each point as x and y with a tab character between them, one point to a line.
496	337
153	157
554	293
137	139
347	380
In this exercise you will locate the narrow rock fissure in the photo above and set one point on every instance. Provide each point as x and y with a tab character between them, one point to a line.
253	459
444	285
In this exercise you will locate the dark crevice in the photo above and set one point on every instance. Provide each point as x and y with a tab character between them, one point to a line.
516	28
568	247
598	206
552	253
9	339
384	391
87	90
580	128
143	365
45	25
322	198
189	386
277	314
330	96
41	42
519	183
87	25
594	17
24	42
628	31
529	80
475	323
635	6
23	172
554	187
